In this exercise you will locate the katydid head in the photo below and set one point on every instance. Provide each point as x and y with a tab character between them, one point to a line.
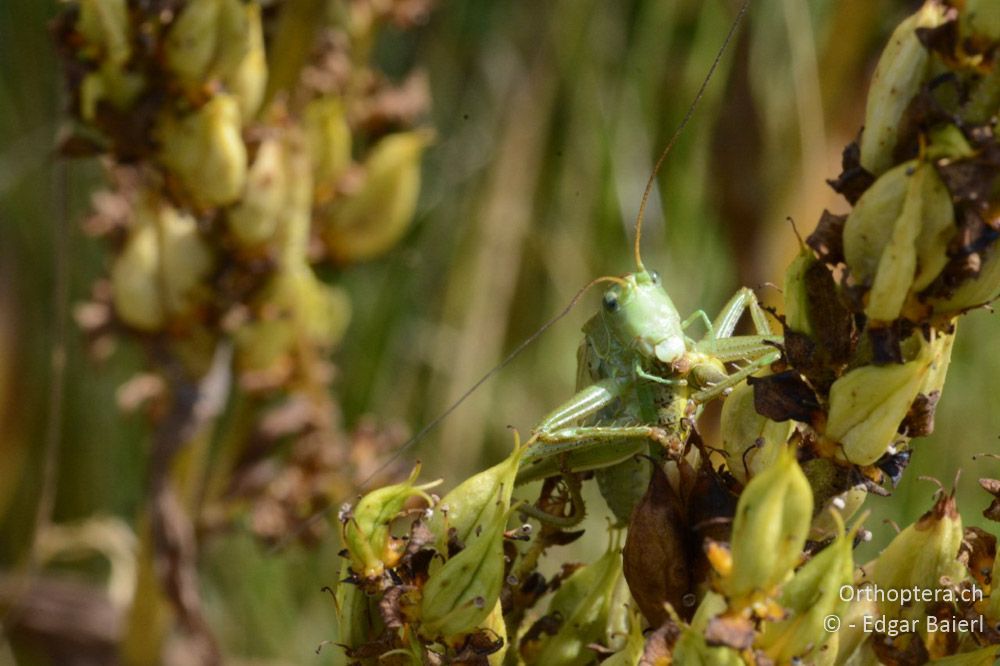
640	314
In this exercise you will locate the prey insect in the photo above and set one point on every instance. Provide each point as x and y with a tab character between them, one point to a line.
642	379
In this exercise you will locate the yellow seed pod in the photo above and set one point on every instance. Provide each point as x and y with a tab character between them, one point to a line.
796	297
365	528
158	272
246	77
255	218
192	40
812	595
373	219
852	637
897	236
320	312
329	139
940	359
103	24
868	404
459	596
477	500
902	69
583	602
205	151
751	441
921	555
770	528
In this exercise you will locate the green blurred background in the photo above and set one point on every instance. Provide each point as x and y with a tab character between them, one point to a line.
549	117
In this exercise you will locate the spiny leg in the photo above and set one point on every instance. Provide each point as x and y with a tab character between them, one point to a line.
769	356
743	299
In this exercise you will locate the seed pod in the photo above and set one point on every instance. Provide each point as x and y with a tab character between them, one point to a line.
246	78
902	69
205	151
796	296
459	596
770	528
583	601
373	219
922	554
897	235
365	531
751	440
809	597
329	140
655	559
103	25
254	219
477	500
868	404
191	43
851	636
164	260
358	622
981	17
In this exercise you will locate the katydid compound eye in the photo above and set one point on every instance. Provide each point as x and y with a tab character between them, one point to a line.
611	302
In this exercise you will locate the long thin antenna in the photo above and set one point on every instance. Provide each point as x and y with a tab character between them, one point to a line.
680	128
408	444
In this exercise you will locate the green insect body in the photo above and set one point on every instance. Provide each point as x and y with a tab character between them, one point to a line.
641	382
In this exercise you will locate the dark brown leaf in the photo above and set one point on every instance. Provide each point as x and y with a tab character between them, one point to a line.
655	557
784	396
853	179
919	421
828	238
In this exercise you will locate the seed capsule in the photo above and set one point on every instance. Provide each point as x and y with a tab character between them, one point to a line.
205	151
246	78
329	140
981	17
810	597
770	528
868	404
357	621
103	25
164	261
254	219
922	554
751	440
902	69
478	500
373	219
365	532
796	296
583	601
897	235
191	43
459	596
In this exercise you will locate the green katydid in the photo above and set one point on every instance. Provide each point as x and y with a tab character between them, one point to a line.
640	377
